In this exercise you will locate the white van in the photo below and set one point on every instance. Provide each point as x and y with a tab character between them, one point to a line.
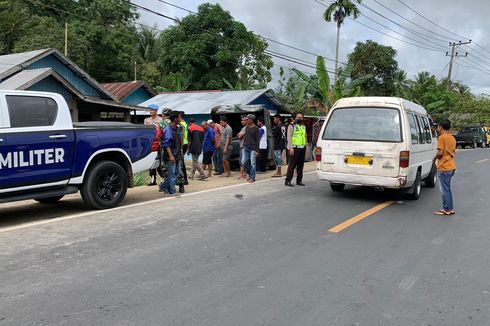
381	142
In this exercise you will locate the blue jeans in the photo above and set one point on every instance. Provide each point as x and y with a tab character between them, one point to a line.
445	187
173	171
249	162
218	160
278	157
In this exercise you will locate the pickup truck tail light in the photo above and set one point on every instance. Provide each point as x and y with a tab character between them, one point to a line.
404	159
318	154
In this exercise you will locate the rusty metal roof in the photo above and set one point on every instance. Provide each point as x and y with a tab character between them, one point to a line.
123	89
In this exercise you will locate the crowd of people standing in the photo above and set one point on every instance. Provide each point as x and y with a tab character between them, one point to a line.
214	143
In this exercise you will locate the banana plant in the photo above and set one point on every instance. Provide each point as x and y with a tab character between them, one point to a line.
329	94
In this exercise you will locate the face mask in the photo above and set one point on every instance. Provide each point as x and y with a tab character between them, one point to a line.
299	121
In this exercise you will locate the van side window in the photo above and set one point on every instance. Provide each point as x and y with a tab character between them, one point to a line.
427	132
433	129
413	128
420	128
31	111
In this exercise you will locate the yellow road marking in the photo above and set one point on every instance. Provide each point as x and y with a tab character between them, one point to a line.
481	161
360	217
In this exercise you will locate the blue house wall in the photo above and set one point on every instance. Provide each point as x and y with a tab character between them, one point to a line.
69	75
138	96
49	84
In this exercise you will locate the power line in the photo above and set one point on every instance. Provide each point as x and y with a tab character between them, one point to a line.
264	37
430	21
439	26
400	25
446	39
386	34
408	37
393	37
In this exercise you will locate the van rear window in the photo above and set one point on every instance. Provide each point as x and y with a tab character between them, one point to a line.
364	124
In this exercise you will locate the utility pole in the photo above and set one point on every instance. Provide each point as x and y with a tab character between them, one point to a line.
135	70
453	55
66	39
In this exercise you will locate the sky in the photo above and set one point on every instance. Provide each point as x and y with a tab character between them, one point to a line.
300	23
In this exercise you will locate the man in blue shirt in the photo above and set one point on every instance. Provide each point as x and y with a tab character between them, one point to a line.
172	153
208	147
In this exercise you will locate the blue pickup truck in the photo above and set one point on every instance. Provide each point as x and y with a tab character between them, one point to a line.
44	156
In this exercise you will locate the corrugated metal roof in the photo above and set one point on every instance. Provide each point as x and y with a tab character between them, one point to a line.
24	79
202	102
11	62
123	89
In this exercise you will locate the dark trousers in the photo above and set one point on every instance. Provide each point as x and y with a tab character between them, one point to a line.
184	169
262	160
218	160
297	161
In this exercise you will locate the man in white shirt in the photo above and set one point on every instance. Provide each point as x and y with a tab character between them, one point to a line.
262	158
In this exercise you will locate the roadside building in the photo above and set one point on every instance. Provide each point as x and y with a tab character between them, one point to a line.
199	104
130	93
48	70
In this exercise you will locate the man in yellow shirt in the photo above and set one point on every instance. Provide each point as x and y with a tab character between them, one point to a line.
446	166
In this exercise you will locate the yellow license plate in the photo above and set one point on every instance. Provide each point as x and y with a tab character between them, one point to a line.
359	160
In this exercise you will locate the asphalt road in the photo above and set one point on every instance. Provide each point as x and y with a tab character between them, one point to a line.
259	255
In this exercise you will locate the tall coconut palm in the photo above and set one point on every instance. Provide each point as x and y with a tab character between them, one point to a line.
338	11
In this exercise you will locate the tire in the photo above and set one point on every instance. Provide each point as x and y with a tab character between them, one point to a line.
49	200
337	187
431	180
105	186
414	191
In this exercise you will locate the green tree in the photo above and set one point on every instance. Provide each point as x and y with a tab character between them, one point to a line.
402	84
338	11
211	46
147	49
14	21
374	59
101	33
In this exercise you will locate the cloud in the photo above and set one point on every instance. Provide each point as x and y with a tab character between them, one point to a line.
300	23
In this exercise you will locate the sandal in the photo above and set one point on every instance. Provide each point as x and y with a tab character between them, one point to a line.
441	212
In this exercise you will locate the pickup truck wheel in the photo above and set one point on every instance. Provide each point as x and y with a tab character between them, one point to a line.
431	180
105	185
49	200
414	191
337	187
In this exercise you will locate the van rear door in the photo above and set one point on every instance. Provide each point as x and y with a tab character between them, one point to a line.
363	141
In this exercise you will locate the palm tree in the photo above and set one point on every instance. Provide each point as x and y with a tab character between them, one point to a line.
402	85
339	10
147	49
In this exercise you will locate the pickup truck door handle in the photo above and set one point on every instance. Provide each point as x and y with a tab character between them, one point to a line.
57	136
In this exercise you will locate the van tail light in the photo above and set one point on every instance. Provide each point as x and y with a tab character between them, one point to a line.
318	154
404	159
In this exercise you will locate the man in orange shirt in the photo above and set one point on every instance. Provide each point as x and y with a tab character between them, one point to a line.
446	166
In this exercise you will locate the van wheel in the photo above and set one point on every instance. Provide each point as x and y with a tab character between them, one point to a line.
49	200
105	185
337	187
414	191
431	180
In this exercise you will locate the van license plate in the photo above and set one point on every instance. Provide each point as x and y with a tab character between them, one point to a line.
359	160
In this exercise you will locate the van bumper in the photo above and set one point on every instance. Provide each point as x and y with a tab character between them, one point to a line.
363	180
